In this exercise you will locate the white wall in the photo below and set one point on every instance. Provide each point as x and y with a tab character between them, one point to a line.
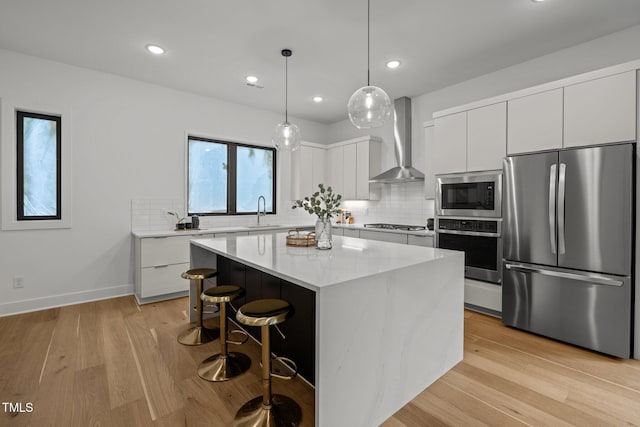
128	142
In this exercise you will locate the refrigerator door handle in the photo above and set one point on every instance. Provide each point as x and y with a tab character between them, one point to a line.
552	207
585	277
562	184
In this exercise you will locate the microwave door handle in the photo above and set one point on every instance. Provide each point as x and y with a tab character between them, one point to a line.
561	197
552	207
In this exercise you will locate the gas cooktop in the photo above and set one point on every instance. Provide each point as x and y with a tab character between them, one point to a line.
396	227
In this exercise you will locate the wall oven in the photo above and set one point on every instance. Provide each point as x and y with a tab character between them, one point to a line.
471	194
469	219
481	242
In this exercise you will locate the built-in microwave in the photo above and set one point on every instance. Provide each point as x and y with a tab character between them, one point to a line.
469	194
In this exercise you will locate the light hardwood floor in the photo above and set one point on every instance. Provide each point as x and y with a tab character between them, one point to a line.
113	363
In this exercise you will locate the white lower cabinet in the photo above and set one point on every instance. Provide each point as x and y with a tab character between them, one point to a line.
163	279
239	233
383	237
350	233
427	241
483	295
160	261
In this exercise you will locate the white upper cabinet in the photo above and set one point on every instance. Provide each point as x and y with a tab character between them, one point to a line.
350	174
429	178
367	166
335	169
318	169
601	110
450	143
350	165
486	137
473	140
598	107
535	122
307	170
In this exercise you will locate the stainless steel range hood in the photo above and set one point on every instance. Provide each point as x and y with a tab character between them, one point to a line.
404	172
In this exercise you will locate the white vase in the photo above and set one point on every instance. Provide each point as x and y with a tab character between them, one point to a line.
323	233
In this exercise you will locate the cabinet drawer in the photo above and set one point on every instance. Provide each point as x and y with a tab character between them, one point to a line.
420	240
165	250
163	280
351	233
384	237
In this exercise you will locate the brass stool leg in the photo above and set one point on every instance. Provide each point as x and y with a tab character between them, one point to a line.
268	410
266	366
223	366
198	334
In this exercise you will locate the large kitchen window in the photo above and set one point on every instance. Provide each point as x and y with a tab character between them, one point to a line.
39	182
227	178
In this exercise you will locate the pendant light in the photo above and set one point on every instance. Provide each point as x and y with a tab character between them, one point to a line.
369	106
286	136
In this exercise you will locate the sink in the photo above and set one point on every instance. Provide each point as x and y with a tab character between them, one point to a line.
265	226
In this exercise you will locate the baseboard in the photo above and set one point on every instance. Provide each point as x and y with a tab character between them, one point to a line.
51	301
483	310
149	300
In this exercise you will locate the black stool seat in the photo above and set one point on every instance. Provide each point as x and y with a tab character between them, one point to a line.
264	312
199	273
224	293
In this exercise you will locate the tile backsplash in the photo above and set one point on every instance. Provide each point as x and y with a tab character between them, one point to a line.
398	204
151	215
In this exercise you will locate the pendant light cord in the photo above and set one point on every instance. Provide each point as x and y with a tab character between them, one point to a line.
286	89
368	40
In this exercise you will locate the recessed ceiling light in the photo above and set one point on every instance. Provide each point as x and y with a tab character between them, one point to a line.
155	49
537	1
317	99
393	64
251	79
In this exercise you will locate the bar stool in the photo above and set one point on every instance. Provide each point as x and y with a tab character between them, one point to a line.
268	409
199	334
224	365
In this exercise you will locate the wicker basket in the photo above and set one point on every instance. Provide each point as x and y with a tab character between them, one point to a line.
294	238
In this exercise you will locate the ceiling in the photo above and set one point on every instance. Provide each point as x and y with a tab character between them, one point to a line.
212	45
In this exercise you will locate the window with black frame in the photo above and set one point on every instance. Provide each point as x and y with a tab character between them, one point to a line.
39	183
227	178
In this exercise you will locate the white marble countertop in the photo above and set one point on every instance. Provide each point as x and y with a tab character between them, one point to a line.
244	228
214	230
350	259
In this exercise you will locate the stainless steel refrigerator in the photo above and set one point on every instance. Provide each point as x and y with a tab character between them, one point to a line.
568	244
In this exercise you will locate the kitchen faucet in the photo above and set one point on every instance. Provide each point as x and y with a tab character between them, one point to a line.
264	208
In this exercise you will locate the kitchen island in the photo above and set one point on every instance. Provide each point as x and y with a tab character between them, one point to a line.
388	317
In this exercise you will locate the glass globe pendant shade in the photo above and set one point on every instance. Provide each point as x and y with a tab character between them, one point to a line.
369	107
286	137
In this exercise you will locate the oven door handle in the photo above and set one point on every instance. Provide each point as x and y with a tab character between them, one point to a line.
468	233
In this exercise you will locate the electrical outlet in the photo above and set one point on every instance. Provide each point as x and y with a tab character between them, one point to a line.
18	282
